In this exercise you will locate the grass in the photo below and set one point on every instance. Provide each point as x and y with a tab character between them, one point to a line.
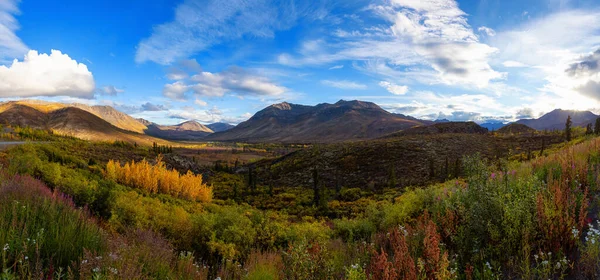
40	230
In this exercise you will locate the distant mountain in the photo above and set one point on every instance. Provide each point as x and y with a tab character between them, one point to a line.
557	119
219	127
190	131
144	121
492	126
442	128
292	123
67	120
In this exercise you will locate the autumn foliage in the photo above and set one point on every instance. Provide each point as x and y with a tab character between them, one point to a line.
158	179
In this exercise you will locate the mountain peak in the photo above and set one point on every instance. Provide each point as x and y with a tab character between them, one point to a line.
282	106
193	125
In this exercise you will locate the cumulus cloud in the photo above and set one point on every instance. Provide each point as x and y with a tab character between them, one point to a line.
176	90
394	88
110	90
199	25
11	45
525	113
343	84
153	107
590	89
46	75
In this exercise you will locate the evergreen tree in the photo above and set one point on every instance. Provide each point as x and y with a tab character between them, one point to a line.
597	127
543	146
568	129
589	130
251	180
457	168
316	191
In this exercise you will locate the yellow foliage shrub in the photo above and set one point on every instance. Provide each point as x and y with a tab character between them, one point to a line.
158	179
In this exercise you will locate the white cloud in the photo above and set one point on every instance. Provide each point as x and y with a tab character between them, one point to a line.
487	31
46	75
176	90
394	88
336	67
234	80
199	25
343	84
153	107
550	46
211	115
200	102
420	35
110	90
11	45
514	64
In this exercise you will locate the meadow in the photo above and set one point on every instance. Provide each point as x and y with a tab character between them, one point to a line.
71	209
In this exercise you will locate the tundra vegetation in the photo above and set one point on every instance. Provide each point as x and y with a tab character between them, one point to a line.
72	209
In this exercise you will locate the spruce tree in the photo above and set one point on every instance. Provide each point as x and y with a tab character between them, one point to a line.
597	127
568	129
589	130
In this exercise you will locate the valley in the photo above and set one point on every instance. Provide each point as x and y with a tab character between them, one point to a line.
260	207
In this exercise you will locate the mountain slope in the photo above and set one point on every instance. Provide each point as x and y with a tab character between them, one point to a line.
114	117
292	123
190	130
557	119
220	127
67	120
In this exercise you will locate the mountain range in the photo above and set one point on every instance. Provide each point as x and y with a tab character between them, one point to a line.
342	121
283	123
556	119
98	123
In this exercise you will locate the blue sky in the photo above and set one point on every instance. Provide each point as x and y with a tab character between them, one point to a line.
170	61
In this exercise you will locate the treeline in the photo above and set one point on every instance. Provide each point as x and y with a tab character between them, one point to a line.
158	179
161	149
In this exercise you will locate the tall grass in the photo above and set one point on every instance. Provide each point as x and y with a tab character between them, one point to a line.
41	231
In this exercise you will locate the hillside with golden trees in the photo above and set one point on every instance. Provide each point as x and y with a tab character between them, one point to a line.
158	179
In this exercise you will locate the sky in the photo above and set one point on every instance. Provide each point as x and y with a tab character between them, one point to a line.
222	61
